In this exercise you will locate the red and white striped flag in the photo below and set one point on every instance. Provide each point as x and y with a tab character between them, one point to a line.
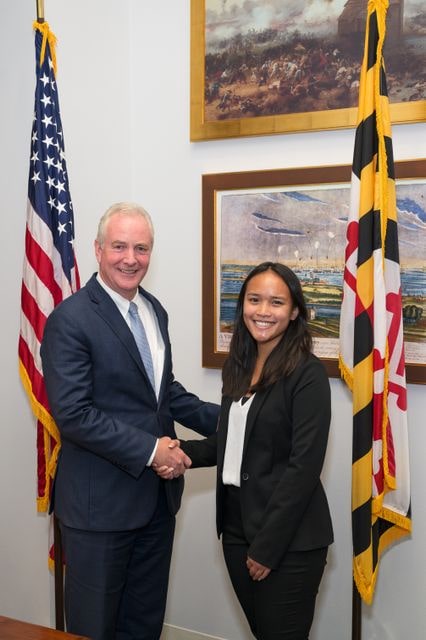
371	331
50	272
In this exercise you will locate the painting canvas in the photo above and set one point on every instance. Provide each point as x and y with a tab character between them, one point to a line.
304	226
301	60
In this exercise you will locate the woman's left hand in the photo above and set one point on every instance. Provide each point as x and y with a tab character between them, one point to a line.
257	571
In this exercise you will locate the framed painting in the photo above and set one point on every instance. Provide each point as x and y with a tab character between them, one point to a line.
275	67
299	217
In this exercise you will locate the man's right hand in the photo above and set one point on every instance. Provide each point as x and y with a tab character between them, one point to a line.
169	455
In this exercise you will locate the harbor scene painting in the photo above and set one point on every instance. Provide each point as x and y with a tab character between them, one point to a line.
305	228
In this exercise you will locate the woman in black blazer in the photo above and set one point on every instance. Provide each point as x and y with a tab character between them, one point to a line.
272	512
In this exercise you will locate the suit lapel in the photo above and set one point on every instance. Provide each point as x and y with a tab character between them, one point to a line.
253	412
106	308
222	432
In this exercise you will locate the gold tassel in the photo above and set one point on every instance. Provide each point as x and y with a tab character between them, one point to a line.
48	36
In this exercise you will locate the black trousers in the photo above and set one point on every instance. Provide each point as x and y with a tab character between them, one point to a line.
116	582
280	607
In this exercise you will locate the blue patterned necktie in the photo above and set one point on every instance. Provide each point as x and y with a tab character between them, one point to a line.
141	340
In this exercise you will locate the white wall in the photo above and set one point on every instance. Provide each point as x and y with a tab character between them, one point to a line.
94	100
124	91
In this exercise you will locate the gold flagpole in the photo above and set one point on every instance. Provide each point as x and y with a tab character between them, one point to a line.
40	10
57	538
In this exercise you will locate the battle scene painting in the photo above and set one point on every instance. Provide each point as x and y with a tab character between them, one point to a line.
276	57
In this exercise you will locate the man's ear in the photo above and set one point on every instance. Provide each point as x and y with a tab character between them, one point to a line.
97	251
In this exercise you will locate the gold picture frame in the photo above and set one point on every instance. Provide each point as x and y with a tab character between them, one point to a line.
203	128
238	209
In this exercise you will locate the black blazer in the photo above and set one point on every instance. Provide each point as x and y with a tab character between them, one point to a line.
283	503
108	414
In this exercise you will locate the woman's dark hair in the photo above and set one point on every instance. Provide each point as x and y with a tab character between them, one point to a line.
295	344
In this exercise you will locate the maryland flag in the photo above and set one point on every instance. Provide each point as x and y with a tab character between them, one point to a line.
371	333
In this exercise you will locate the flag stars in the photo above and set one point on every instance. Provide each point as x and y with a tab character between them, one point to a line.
61	208
49	161
48	141
47	121
46	100
48	184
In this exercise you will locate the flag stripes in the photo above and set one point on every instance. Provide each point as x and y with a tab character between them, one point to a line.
50	271
371	340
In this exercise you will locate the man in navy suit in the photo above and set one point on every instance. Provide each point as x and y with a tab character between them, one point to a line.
117	516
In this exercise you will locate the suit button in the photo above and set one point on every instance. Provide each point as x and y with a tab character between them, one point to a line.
245	476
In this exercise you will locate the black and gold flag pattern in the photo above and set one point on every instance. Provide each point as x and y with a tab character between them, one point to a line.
371	332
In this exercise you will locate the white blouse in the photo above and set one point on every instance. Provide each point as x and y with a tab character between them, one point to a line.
235	441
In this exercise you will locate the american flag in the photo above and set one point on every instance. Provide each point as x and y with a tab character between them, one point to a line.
50	271
371	331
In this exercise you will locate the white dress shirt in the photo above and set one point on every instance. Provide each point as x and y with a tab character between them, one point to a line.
150	323
152	330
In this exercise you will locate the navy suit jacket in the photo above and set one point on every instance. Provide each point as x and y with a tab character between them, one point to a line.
108	414
283	503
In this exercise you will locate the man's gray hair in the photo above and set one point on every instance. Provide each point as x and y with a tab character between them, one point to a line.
125	208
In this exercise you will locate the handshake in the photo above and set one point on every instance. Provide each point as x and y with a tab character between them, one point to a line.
169	460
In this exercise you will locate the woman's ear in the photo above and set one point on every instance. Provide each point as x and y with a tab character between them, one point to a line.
294	313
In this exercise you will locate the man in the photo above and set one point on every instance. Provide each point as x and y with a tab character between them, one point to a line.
117	516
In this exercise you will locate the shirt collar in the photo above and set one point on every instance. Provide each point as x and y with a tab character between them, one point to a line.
121	302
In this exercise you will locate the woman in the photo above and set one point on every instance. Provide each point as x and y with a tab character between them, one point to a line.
272	511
